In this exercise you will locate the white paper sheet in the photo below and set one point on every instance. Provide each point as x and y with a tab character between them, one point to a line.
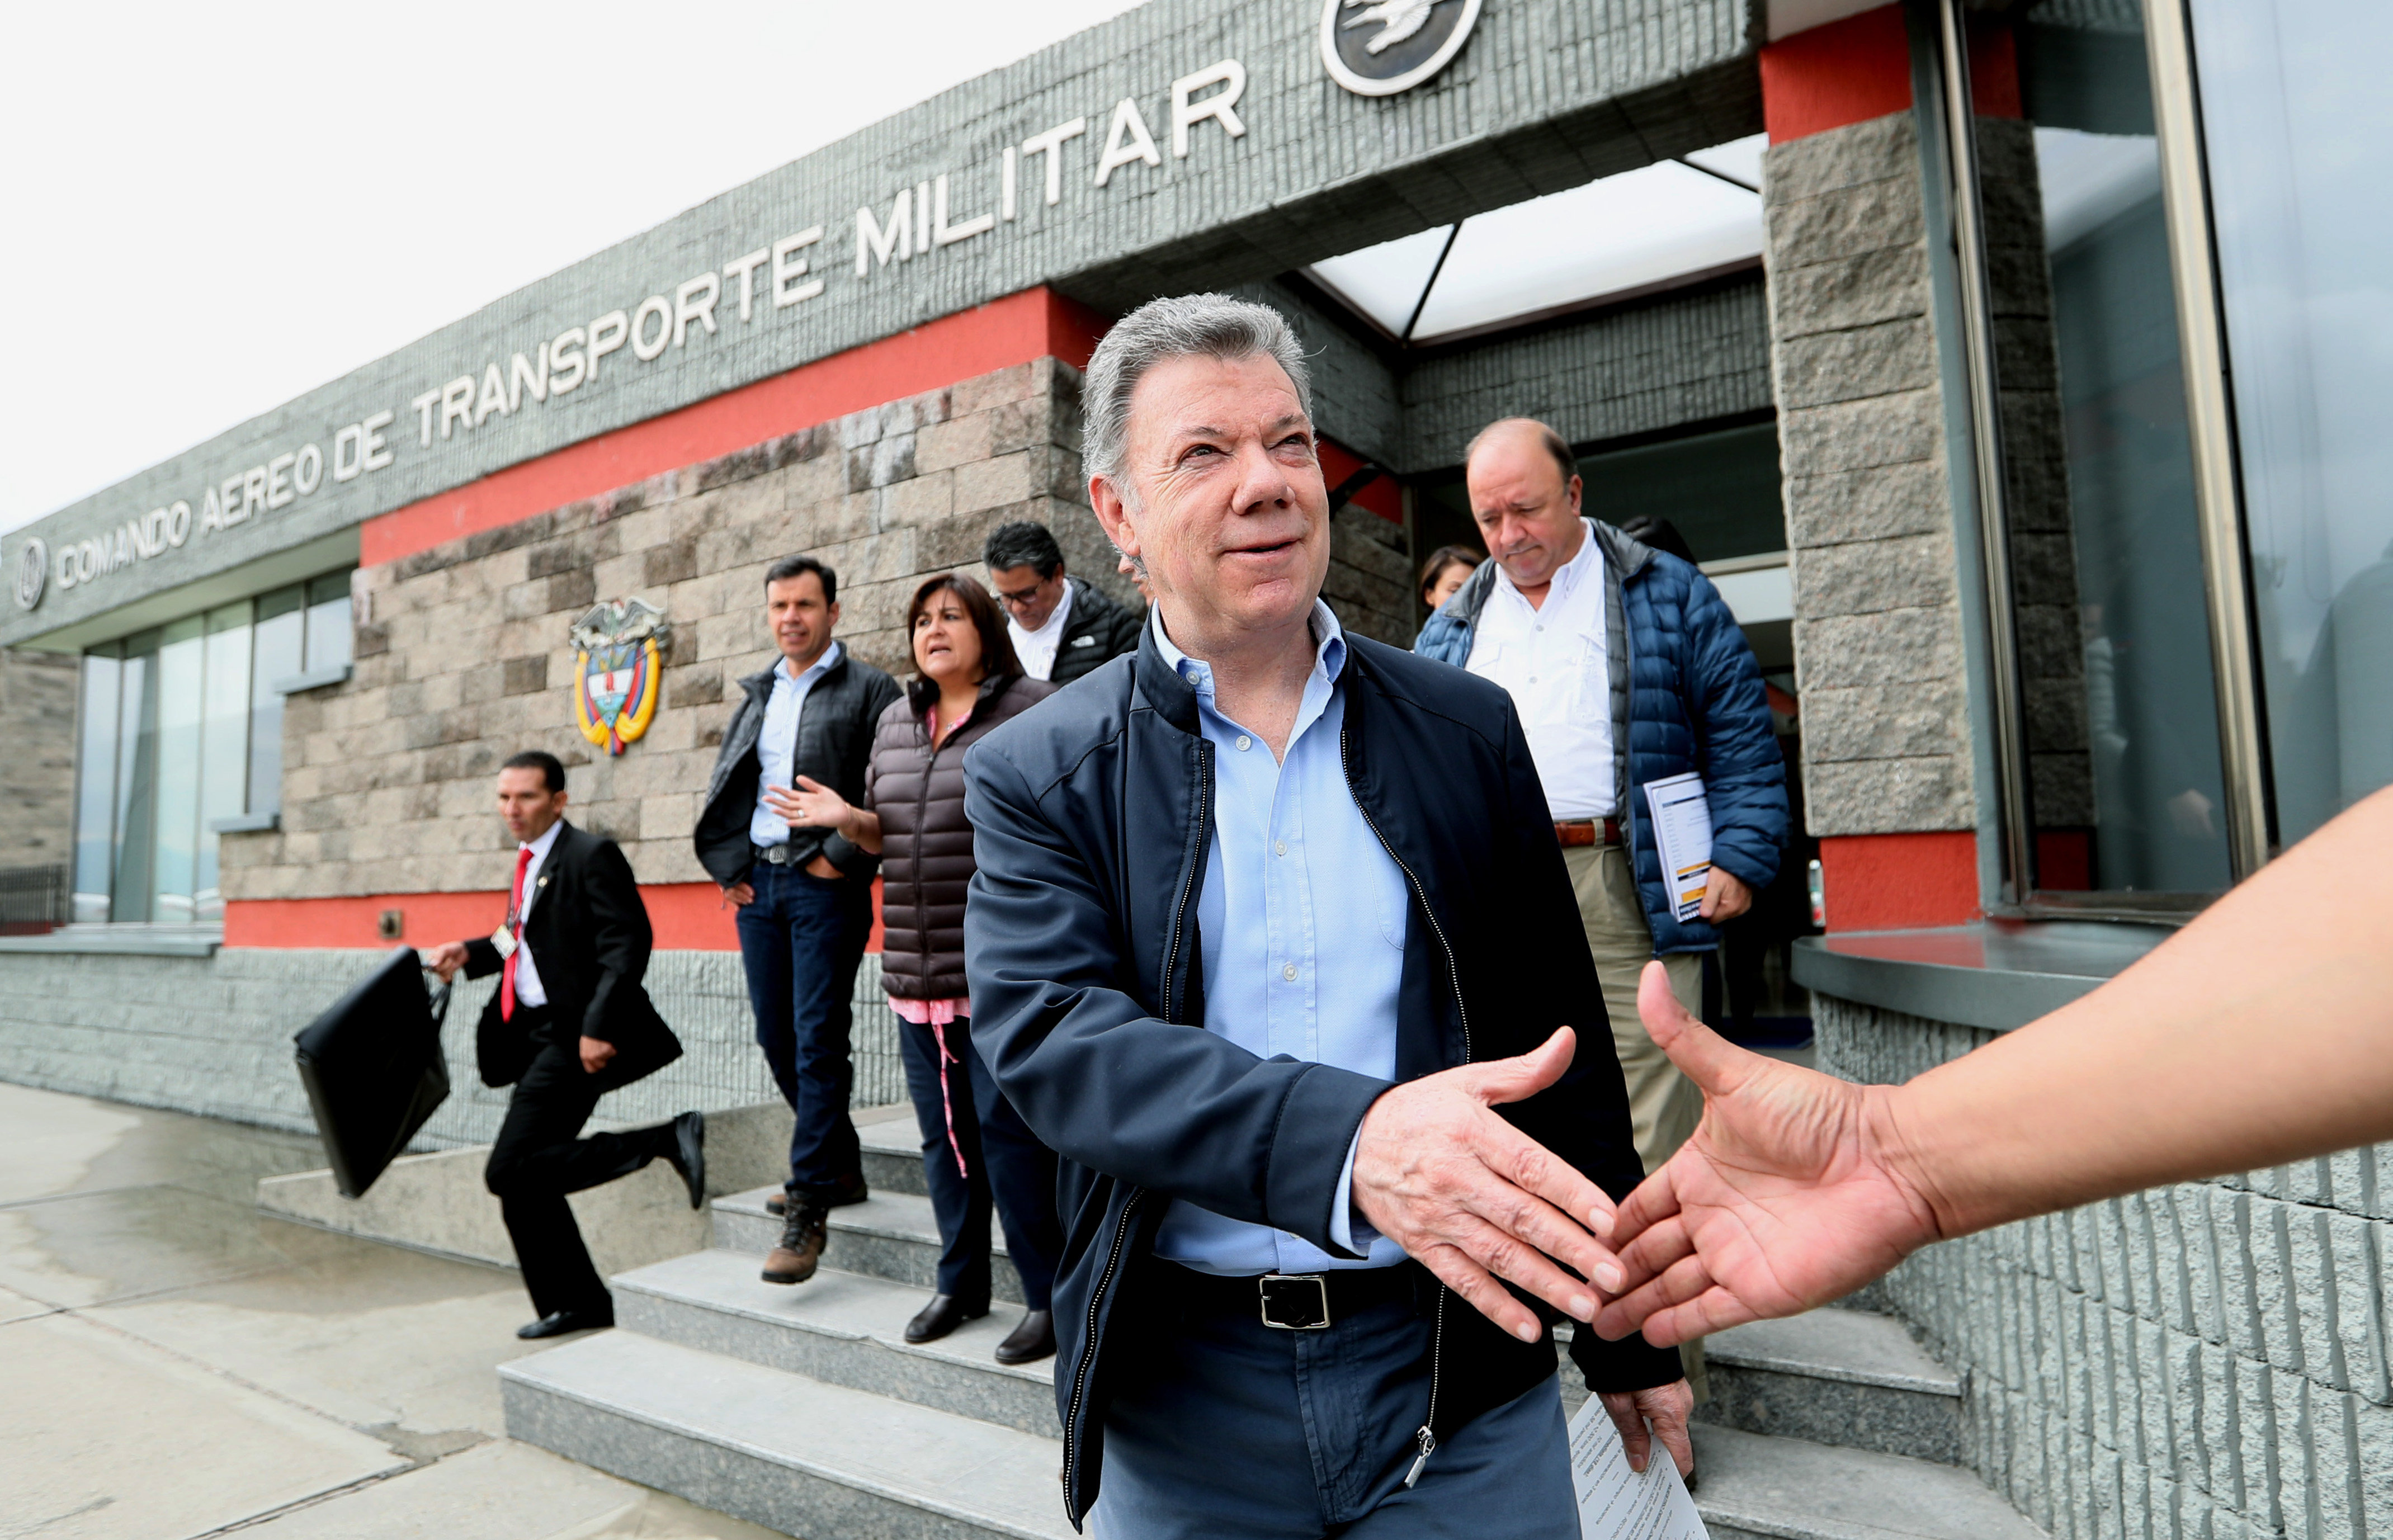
1614	1503
1682	836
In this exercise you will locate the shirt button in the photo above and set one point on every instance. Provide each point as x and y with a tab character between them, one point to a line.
1288	973
1280	848
1245	743
1533	679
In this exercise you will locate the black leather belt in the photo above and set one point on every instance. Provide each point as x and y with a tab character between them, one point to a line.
1299	1302
775	855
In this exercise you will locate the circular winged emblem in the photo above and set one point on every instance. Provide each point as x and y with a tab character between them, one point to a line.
617	662
1378	48
32	572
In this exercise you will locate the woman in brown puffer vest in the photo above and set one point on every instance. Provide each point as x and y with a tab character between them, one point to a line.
974	1145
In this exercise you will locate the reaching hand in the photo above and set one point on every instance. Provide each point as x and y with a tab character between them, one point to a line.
809	805
1791	1192
1470	1195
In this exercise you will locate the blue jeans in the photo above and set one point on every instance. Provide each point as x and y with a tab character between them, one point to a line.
1002	1159
1221	1425
802	941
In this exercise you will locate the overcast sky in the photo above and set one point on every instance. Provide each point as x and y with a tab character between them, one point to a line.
212	208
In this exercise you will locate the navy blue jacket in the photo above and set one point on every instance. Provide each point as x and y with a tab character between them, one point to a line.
1686	694
1093	817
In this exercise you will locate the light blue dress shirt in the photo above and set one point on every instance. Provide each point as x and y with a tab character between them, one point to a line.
777	742
1303	916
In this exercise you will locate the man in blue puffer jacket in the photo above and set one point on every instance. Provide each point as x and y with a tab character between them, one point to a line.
1627	668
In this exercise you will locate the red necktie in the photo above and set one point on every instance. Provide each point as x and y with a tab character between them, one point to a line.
514	923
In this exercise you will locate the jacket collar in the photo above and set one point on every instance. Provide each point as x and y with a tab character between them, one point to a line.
759	684
1624	555
1170	696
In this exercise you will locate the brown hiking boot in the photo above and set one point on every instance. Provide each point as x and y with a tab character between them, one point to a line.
794	1261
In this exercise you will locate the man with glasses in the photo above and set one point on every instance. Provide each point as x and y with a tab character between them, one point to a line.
1061	628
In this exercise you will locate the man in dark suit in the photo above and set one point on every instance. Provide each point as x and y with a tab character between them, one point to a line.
569	1023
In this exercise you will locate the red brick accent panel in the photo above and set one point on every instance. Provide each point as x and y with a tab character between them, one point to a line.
1899	881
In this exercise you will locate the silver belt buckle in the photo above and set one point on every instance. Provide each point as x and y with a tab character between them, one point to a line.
1295	1302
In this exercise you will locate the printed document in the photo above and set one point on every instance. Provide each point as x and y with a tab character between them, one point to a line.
1682	836
1614	1503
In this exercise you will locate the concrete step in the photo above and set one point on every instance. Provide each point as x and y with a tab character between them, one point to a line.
842	1328
1836	1376
780	1450
1755	1487
892	1149
889	1235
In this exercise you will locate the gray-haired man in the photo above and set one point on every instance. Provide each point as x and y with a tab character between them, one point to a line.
1245	948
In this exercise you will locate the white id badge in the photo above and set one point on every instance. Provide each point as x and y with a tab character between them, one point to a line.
505	940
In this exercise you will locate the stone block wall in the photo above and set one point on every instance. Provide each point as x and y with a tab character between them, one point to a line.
1879	649
37	723
212	1036
463	655
2199	1362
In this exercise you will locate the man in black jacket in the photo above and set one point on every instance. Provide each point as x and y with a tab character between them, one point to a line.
804	893
1062	629
569	1023
1272	941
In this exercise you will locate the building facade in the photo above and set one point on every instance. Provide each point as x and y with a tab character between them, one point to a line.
2009	366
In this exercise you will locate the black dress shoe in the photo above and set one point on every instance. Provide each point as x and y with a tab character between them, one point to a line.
1030	1341
847	1193
942	1315
557	1323
687	1150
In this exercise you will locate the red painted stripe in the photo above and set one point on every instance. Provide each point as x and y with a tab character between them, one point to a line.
1899	881
1858	69
1848	71
687	916
1033	324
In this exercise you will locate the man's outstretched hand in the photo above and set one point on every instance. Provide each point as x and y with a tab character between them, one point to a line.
1475	1199
1792	1193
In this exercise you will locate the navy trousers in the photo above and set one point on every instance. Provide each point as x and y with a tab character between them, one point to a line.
802	941
1003	1160
1221	1425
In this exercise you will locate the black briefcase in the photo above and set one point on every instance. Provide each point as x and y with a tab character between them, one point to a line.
374	1070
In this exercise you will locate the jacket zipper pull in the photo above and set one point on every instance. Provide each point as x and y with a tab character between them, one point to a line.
1428	1441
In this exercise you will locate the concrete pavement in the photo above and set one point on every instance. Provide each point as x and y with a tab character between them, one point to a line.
180	1365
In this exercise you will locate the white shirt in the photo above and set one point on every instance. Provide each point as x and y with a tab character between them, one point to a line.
529	990
1037	648
1553	662
777	742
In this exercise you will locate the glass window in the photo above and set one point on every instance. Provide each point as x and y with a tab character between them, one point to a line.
224	745
2295	117
328	622
136	781
103	673
182	680
1616	237
278	650
181	728
2115	663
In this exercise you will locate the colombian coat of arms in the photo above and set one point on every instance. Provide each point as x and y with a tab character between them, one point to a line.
618	650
